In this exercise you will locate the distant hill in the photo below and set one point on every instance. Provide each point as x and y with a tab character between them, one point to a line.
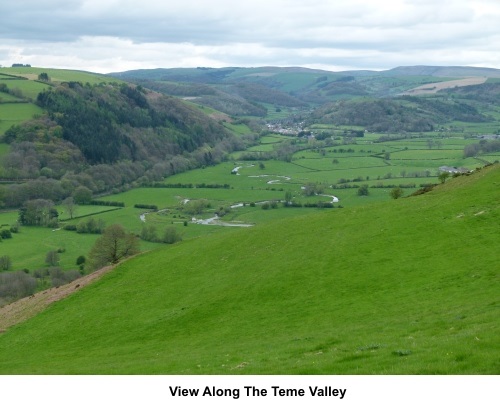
409	286
298	87
442	71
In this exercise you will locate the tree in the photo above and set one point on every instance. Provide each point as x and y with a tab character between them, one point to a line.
443	176
5	234
288	197
396	192
82	195
52	258
171	235
43	76
149	233
114	244
310	189
38	212
80	262
5	263
69	204
363	190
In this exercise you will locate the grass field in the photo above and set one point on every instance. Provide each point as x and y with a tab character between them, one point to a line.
11	114
405	287
28	88
59	75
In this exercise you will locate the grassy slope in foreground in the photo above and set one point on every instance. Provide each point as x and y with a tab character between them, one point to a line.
409	286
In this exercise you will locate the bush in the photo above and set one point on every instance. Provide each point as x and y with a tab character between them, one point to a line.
107	203
363	190
5	263
396	193
149	233
146	206
171	235
90	226
52	258
5	234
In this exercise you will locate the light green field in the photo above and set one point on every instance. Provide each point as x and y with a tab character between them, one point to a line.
28	248
6	98
32	244
60	75
11	114
29	88
405	287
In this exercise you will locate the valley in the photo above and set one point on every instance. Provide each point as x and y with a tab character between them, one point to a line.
263	201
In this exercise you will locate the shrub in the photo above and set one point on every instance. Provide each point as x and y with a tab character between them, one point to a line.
90	226
171	235
5	263
52	258
363	190
396	192
5	234
149	233
146	206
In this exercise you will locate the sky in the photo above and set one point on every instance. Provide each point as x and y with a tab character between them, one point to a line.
117	35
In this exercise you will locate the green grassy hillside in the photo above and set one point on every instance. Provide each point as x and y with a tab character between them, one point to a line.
409	286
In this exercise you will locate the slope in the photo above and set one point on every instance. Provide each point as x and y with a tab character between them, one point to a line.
405	287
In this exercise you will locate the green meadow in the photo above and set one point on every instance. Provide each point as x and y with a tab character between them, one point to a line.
15	113
406	286
58	75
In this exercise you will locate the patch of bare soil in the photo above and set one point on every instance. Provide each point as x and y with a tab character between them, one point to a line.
25	308
432	88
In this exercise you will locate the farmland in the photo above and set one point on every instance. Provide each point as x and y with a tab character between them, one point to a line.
299	196
266	300
339	170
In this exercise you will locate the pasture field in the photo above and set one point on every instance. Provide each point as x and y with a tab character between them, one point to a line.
59	75
266	147
29	88
7	98
237	129
11	114
28	248
405	287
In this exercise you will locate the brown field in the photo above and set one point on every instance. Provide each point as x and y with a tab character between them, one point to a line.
432	88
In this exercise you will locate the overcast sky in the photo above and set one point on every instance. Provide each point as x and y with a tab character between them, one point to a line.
117	35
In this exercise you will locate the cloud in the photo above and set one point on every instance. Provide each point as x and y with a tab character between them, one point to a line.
106	35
